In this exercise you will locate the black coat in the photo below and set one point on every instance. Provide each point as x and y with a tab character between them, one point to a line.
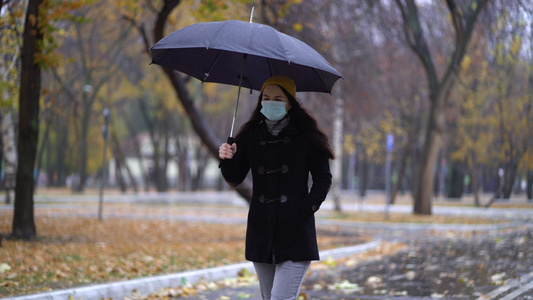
281	221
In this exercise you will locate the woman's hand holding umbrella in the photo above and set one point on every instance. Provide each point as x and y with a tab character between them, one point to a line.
226	151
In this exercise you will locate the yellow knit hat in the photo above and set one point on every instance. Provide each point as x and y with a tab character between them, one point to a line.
283	81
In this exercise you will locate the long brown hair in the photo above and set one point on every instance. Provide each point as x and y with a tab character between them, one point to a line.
300	117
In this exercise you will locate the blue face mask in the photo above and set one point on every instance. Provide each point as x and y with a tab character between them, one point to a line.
273	110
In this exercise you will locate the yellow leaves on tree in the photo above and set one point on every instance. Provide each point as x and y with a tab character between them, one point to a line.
12	24
50	13
493	127
220	10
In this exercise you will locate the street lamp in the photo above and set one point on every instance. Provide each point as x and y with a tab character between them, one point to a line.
390	147
501	172
105	131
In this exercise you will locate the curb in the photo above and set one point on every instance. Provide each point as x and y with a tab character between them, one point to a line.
150	285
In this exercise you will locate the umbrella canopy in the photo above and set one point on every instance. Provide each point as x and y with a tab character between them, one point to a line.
225	52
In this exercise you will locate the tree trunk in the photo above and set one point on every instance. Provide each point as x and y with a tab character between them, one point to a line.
337	146
201	158
428	162
137	148
439	89
166	155
401	173
121	161
183	170
44	146
475	187
83	147
199	123
363	176
30	91
51	178
456	182
10	153
509	178
61	154
529	187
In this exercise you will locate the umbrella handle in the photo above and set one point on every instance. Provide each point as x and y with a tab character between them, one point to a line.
231	140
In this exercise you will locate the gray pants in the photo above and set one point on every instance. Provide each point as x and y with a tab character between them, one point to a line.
281	281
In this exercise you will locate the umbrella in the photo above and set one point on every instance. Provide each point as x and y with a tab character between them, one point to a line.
243	54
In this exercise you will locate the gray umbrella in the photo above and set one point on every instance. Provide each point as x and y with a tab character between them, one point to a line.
244	54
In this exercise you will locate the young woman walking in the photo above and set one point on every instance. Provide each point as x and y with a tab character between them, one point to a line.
282	145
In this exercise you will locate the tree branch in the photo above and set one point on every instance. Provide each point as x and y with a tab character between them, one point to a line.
415	37
456	21
463	33
203	130
142	31
64	87
162	17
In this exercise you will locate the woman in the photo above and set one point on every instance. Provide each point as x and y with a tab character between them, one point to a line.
281	144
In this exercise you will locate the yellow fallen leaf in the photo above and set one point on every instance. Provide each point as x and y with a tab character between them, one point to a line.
4	267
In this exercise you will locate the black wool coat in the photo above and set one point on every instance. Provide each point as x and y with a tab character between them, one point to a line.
281	223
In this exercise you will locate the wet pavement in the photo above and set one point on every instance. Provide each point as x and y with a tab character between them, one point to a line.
495	264
450	268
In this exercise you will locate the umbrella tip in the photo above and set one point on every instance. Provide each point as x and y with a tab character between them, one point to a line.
252	14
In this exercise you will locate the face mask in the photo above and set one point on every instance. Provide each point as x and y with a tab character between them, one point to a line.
273	110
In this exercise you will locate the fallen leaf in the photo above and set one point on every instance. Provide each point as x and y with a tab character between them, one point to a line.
4	267
243	296
345	286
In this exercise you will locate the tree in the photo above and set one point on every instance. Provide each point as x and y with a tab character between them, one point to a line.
178	82
463	18
30	91
11	23
473	139
37	53
513	109
95	63
159	122
494	98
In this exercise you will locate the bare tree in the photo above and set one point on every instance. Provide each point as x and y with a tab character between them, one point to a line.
199	123
463	17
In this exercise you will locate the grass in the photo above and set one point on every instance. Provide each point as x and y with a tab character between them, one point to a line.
78	251
409	218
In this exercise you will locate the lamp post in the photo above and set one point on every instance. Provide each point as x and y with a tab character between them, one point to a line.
390	147
501	172
105	131
359	162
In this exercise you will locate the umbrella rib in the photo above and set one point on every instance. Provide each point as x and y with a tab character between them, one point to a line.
322	80
212	66
281	43
159	56
270	69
